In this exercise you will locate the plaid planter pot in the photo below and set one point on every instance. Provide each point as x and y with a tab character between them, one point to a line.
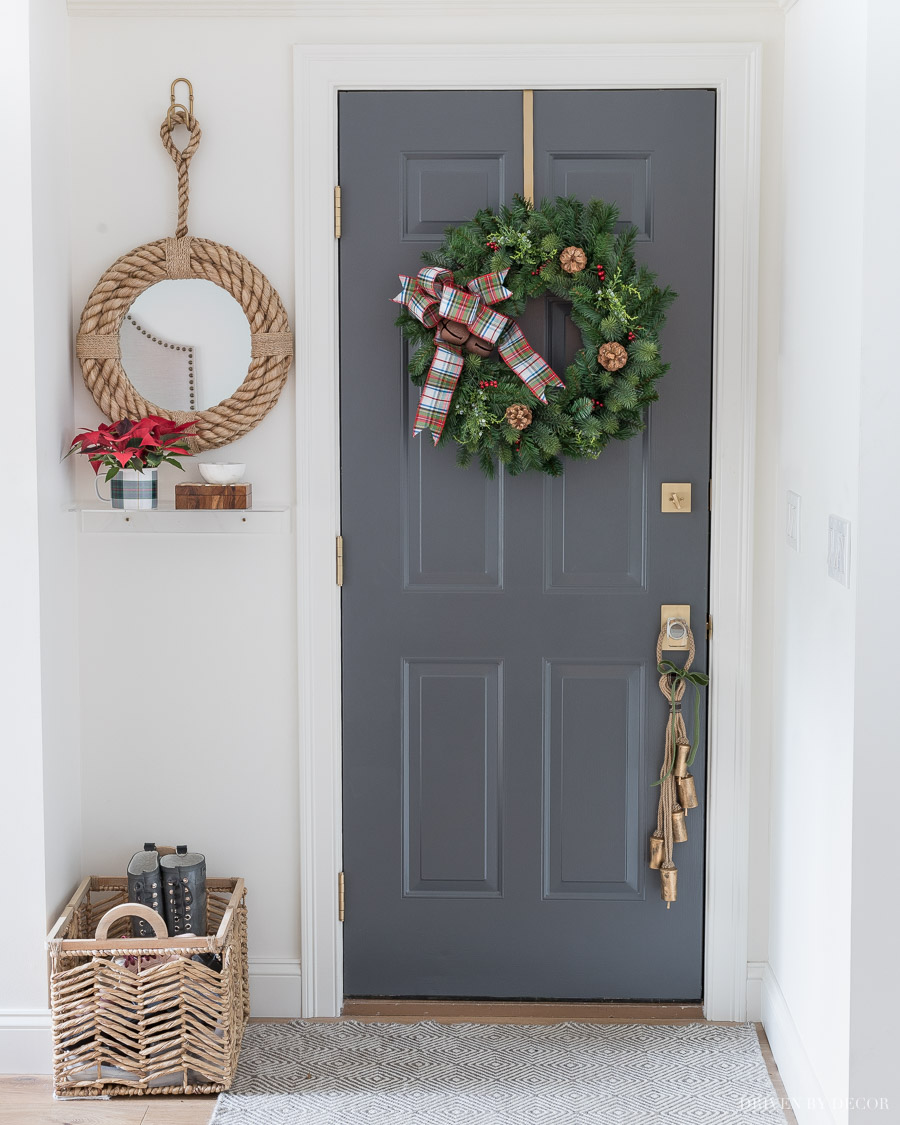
132	489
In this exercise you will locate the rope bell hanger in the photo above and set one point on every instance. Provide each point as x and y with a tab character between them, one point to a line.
677	791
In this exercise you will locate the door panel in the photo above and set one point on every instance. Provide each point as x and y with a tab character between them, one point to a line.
463	551
591	841
502	720
598	540
623	178
452	745
444	188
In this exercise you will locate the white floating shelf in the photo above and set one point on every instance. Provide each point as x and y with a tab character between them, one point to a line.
165	520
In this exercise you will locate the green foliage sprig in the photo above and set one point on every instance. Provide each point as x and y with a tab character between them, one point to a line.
612	300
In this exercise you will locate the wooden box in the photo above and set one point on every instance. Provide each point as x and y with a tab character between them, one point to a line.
147	1015
212	497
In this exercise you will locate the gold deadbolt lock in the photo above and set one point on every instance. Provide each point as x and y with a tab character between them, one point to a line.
676	498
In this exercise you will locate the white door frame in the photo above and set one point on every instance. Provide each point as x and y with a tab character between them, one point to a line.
320	72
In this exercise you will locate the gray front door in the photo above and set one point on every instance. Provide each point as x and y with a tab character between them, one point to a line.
502	721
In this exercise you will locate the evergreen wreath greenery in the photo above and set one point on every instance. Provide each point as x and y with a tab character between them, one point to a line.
613	299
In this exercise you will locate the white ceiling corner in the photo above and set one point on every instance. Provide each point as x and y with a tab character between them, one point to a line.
170	9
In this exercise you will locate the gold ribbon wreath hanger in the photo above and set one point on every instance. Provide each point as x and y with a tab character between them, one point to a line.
183	256
677	792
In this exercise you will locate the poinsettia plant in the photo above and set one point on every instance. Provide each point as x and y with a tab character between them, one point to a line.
145	444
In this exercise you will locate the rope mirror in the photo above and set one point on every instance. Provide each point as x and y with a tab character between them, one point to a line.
181	257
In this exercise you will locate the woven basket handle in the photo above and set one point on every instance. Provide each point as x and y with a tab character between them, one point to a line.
129	910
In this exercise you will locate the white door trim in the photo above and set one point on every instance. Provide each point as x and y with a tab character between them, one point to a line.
733	70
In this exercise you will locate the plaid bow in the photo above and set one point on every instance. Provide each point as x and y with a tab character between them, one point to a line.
432	297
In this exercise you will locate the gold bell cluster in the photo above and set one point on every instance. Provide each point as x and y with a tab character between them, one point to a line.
686	799
677	790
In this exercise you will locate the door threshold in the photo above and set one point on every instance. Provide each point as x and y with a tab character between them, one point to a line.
606	1011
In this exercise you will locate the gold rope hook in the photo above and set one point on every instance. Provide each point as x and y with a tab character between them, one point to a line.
173	105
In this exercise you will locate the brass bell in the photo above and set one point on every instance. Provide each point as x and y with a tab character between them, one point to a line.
682	753
668	883
477	346
657	851
687	792
452	332
679	828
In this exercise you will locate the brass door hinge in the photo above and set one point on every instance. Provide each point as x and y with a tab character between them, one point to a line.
708	626
340	896
339	560
337	210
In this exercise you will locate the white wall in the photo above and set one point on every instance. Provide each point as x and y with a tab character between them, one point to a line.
40	826
54	398
874	982
831	987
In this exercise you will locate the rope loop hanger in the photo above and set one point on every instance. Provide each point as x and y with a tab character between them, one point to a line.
178	114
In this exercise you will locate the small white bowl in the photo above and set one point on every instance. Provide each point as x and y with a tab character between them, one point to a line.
222	472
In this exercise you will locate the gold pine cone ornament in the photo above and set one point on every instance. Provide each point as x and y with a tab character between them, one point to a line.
573	259
612	357
518	416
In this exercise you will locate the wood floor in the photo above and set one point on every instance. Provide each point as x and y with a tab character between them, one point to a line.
519	1011
28	1099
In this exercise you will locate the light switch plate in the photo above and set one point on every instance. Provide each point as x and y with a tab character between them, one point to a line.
839	550
676	498
792	520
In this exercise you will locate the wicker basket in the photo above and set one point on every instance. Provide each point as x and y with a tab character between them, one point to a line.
161	1024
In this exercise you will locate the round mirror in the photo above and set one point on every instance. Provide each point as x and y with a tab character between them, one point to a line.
185	344
186	356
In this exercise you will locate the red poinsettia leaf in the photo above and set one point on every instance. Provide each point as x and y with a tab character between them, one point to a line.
88	437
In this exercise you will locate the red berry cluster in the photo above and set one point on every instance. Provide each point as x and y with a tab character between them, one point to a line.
487	383
601	272
534	273
632	336
597	402
492	245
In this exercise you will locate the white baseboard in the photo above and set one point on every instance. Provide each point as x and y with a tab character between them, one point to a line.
25	1045
756	971
807	1098
274	987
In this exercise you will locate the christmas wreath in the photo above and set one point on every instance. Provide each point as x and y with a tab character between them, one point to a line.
508	405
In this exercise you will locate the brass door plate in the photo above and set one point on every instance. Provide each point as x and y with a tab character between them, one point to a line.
676	498
668	613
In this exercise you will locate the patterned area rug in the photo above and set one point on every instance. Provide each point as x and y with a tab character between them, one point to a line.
306	1073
